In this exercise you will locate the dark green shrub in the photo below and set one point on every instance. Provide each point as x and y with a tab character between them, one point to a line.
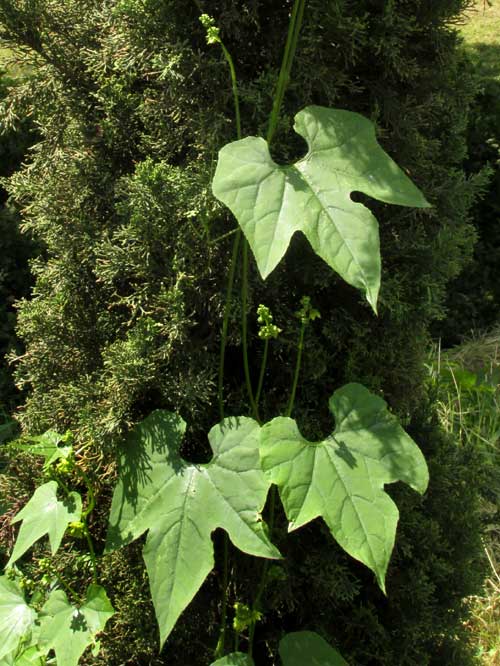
15	250
477	290
126	312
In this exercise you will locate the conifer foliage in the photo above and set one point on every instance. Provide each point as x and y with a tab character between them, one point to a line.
127	309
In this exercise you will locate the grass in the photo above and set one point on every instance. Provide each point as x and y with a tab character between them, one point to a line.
469	376
481	32
467	380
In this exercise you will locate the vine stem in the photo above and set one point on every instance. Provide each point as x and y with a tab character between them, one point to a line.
286	64
292	39
219	650
283	79
234	84
272	493
85	514
225	322
244	331
236	242
91	551
300	348
263	366
66	585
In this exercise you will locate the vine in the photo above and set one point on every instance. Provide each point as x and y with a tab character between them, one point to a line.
340	479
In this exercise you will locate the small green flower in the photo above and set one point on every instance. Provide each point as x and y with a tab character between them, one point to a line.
307	313
211	29
76	529
64	466
244	616
267	329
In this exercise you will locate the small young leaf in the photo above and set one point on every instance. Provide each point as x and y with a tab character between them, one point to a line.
272	202
16	617
32	656
306	647
45	514
47	446
234	659
69	630
182	504
342	478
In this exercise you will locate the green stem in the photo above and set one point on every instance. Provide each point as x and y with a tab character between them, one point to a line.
225	322
265	569
263	366
221	643
236	245
272	494
219	651
300	348
85	514
286	65
234	84
90	493
280	87
93	557
283	79
223	237
244	331
66	586
293	47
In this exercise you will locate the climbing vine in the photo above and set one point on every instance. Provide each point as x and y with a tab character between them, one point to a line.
179	504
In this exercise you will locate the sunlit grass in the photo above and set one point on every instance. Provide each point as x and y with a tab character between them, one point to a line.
467	380
481	32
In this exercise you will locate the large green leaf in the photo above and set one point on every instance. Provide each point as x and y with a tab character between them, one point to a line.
234	659
182	504
68	629
16	618
342	478
45	514
272	202
306	647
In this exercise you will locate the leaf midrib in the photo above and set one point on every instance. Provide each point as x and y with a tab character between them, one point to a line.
325	208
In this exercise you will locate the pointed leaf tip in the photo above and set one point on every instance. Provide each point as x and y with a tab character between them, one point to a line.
307	647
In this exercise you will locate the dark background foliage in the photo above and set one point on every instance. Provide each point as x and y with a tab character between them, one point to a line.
125	315
15	251
477	290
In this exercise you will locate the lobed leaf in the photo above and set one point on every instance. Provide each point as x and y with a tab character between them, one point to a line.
45	514
181	504
342	478
16	618
68	629
47	446
272	202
